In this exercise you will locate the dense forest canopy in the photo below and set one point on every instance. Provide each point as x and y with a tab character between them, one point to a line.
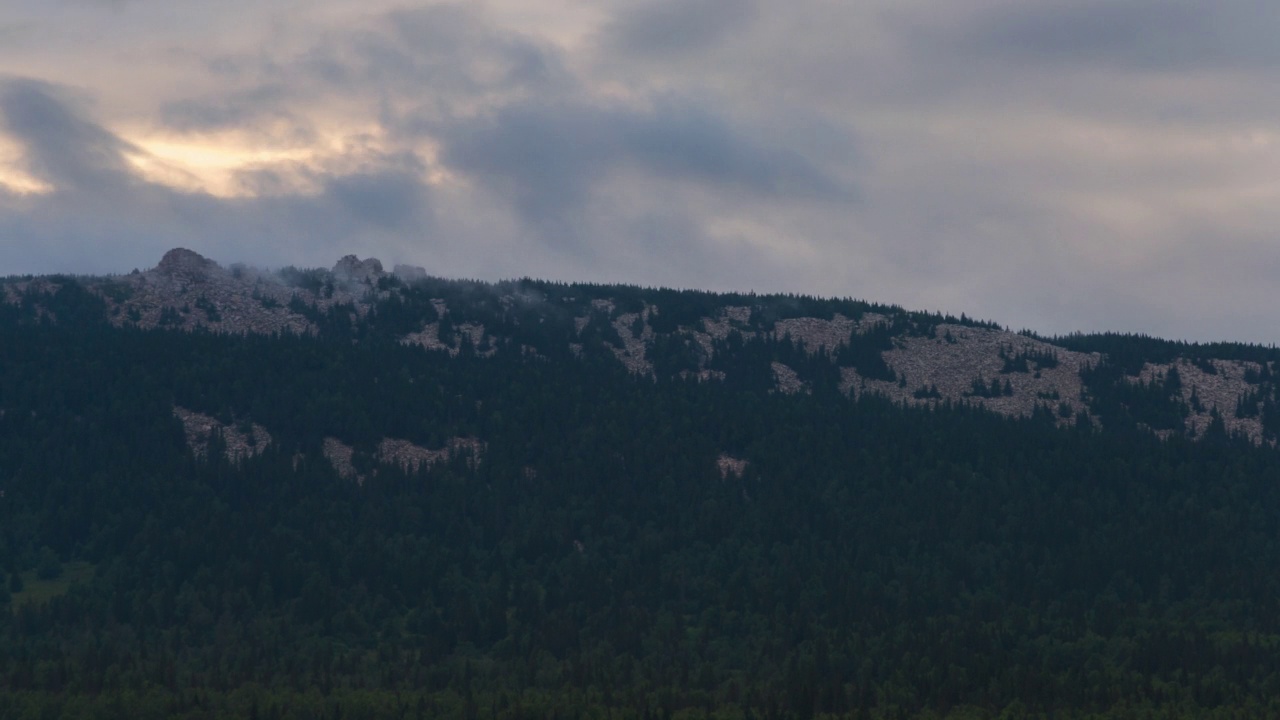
581	539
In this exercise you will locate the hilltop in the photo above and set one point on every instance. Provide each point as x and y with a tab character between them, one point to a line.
776	343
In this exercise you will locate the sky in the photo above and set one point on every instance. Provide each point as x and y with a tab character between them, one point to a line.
1055	165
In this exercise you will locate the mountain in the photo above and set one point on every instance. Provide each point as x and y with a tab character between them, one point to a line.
231	492
915	358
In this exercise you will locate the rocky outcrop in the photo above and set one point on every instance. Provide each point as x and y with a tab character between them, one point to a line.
787	380
429	338
1206	393
411	457
186	265
634	348
730	466
734	317
186	291
947	365
339	455
240	440
816	334
352	271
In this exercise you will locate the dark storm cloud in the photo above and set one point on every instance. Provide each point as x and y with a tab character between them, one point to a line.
549	157
676	26
60	146
390	198
1152	35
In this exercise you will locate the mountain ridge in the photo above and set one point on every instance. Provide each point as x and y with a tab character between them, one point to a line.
912	358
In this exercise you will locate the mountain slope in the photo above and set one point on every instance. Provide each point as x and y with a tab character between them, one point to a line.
774	343
583	500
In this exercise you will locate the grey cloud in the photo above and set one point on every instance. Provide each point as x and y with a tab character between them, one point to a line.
59	145
447	53
16	34
683	139
1159	35
1030	162
232	110
549	157
451	51
544	160
390	199
670	27
103	217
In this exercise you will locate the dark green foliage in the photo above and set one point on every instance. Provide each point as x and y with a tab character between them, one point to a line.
1247	405
1205	364
1258	375
1027	360
599	331
1015	364
210	310
1130	352
311	280
48	567
116	290
675	354
1123	401
170	317
71	305
404	312
677	309
979	387
864	352
871	560
923	392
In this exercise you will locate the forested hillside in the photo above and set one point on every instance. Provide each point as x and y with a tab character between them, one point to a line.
350	493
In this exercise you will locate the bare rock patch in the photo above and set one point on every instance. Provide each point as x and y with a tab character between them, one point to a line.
244	440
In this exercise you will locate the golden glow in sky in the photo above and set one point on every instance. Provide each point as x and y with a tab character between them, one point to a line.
13	177
219	164
212	165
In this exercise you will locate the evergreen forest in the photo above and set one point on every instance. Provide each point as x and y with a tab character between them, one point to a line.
863	558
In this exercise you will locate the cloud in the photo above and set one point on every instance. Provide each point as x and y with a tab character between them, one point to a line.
391	198
550	157
60	147
1132	35
676	27
100	201
253	105
400	71
1058	165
